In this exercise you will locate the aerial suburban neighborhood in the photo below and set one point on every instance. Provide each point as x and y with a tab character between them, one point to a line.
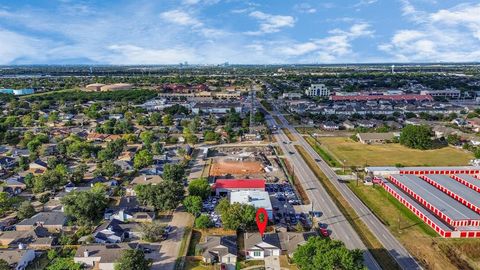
239	135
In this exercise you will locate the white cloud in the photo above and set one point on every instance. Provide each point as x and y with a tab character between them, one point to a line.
270	23
180	17
16	46
136	55
446	35
305	8
333	48
365	3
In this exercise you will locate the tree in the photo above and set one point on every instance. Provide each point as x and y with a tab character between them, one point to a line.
203	222
173	172
193	204
133	259
107	169
453	139
210	136
417	137
85	206
64	264
199	187
167	120
236	215
147	137
164	196
4	265
324	253
157	148
142	159
78	173
152	231
25	210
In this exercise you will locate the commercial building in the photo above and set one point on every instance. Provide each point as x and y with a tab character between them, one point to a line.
445	198
317	90
385	171
447	93
445	207
216	107
17	92
95	86
291	95
116	87
466	196
225	186
258	199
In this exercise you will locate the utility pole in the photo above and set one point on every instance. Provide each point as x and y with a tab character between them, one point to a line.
252	110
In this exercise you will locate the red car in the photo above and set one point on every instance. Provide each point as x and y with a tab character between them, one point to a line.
324	232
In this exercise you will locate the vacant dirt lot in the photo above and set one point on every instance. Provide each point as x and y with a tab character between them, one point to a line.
224	167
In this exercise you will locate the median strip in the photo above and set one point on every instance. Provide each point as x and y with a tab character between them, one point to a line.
380	254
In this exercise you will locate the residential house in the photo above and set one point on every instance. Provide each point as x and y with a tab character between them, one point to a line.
474	123
146	179
219	249
348	125
18	259
7	163
290	241
38	167
101	257
130	210
114	231
330	126
14	185
53	221
370	138
37	238
257	248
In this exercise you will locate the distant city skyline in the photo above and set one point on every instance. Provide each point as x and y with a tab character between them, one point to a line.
239	32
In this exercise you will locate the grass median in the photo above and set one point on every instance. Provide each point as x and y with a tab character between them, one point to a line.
332	162
289	134
380	254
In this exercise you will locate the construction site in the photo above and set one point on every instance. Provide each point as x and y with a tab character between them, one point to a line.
245	162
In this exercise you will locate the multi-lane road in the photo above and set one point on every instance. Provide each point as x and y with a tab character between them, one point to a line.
337	224
340	227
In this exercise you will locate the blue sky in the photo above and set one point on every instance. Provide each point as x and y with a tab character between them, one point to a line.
241	32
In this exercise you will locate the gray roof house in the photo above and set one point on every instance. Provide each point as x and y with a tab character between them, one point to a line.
18	259
219	249
102	257
52	221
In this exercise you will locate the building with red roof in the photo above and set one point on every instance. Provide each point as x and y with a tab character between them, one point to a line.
225	186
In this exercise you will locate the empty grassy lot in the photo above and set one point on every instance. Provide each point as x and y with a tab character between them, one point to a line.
358	154
432	251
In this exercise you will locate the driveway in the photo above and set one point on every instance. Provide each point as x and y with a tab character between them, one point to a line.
164	258
272	263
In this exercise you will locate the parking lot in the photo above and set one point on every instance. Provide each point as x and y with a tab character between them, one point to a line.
284	200
208	208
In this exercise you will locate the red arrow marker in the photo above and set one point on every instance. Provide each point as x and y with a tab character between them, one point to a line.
262	220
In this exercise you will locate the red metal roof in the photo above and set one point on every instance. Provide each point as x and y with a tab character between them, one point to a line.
239	183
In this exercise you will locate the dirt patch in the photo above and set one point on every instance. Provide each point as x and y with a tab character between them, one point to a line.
225	167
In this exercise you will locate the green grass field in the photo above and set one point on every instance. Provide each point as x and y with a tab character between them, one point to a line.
358	154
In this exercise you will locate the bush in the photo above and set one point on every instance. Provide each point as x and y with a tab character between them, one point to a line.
203	222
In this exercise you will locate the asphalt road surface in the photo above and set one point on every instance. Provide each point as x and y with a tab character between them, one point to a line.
339	227
389	242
